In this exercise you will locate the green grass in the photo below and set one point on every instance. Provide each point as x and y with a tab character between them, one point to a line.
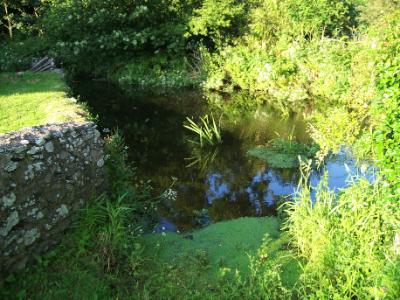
34	99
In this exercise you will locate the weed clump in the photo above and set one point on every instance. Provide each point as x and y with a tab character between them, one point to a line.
346	241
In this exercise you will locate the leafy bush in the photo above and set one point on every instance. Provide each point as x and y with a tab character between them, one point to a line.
218	22
349	242
292	53
387	134
331	133
21	18
89	36
159	71
323	16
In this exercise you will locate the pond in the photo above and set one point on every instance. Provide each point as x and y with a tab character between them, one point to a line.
207	185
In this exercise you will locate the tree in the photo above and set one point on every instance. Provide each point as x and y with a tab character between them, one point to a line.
7	19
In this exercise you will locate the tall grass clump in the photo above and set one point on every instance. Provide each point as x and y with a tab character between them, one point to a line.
207	130
118	216
346	241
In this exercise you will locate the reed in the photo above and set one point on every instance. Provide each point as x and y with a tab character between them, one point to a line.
207	130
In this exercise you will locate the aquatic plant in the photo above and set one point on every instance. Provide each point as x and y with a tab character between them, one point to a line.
284	154
208	131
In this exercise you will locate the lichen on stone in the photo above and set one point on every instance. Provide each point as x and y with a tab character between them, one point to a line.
31	236
11	166
8	200
47	172
62	211
12	220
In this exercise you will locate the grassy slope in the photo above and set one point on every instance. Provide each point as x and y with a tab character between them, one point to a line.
34	98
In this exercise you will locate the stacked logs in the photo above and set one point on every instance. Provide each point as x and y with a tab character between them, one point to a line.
43	64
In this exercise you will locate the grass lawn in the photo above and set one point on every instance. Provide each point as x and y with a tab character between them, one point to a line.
32	99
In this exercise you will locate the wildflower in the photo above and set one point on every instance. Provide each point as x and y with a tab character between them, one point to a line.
170	195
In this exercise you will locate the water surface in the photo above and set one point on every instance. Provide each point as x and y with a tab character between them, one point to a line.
209	185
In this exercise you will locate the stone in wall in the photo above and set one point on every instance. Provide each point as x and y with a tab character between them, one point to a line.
46	173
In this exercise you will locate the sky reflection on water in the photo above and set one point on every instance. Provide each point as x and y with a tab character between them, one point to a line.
268	184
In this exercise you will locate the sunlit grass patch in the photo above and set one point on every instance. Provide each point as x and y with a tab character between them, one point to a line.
30	99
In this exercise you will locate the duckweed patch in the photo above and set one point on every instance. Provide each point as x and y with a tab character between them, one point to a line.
220	250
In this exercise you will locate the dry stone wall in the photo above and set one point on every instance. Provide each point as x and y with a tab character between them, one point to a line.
46	173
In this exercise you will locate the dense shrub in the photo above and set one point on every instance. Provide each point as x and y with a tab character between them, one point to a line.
387	134
89	36
159	71
218	22
350	241
326	16
297	52
18	54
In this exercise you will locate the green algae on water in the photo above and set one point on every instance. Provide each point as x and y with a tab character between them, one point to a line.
223	247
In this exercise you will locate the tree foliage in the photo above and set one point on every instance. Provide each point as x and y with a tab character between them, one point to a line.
92	32
21	17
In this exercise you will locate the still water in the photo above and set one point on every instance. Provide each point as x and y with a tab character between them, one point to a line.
207	185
